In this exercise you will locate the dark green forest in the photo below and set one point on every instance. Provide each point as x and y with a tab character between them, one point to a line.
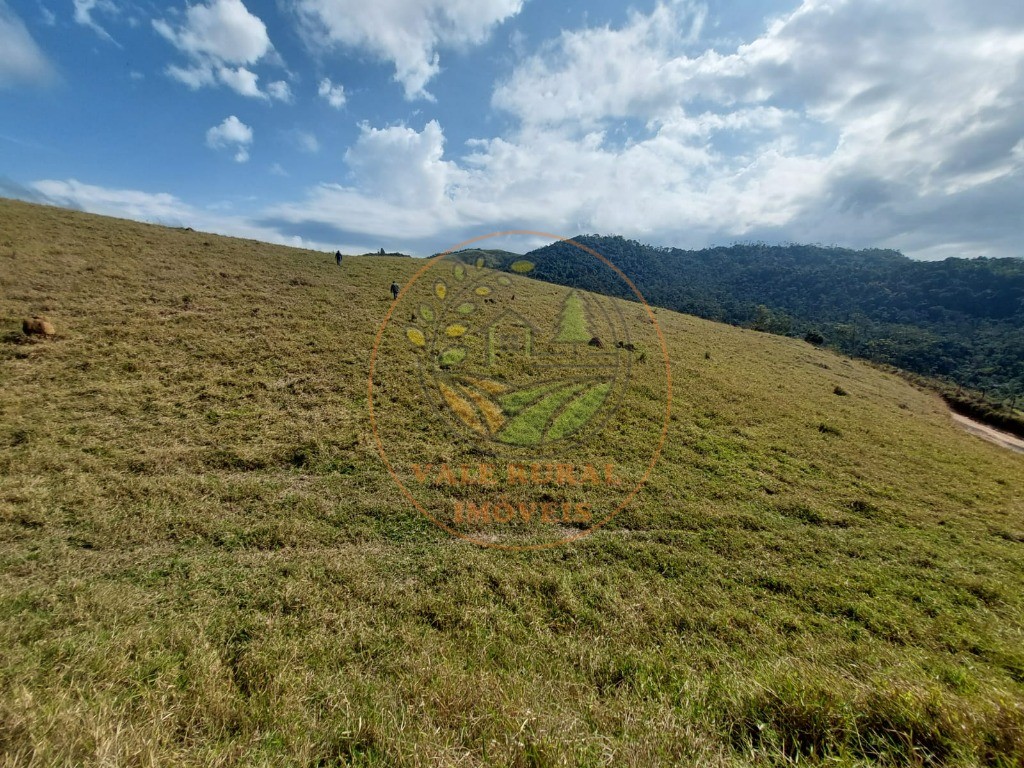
958	320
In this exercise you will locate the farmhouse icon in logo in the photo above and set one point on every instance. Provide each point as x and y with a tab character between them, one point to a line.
523	382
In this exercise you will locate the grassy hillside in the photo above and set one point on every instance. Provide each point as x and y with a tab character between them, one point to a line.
203	560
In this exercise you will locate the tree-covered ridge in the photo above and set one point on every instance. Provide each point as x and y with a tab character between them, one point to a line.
961	319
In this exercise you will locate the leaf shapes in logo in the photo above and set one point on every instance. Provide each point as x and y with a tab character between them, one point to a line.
441	290
452	357
427	313
489	410
462	408
473	408
490	386
473	401
454	330
522	266
415	335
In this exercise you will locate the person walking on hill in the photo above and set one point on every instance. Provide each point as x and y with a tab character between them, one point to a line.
394	290
337	257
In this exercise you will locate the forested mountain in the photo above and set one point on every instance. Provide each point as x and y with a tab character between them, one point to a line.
961	319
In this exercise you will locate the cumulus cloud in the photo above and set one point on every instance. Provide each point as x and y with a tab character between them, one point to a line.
400	164
232	133
594	73
281	91
194	77
863	123
866	123
21	60
402	187
332	94
241	81
223	30
405	33
221	39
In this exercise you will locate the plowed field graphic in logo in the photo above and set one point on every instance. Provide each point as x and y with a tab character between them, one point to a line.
512	412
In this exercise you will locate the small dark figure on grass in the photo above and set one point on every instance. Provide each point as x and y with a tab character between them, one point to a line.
394	290
337	257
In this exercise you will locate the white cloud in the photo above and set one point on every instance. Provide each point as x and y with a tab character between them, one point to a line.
402	187
281	91
589	74
159	208
406	33
83	15
220	38
194	77
113	202
863	123
857	122
333	94
21	60
400	164
222	30
866	124
241	81
554	182
232	133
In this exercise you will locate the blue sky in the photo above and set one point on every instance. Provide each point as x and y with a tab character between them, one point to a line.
414	125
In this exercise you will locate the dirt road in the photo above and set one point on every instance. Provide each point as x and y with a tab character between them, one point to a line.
1004	439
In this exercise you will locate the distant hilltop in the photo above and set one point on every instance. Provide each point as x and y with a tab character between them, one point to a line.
959	320
382	252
